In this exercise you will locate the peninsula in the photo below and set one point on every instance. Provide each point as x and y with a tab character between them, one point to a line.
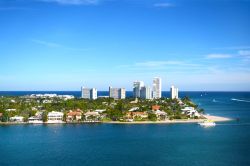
52	108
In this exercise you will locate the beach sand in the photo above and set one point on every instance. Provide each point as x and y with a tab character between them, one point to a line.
210	117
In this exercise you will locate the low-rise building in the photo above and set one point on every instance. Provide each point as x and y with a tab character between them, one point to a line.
17	119
161	115
133	109
35	119
92	116
155	107
1	116
100	111
75	115
134	115
191	112
10	109
55	117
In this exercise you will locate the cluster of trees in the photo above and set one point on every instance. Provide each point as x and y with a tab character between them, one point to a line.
115	109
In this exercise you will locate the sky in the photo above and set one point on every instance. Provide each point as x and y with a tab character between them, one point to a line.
196	45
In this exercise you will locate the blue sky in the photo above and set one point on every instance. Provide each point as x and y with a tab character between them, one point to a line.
63	44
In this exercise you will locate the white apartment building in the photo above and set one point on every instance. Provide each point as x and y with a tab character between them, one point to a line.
137	85
157	88
89	93
146	92
174	92
117	93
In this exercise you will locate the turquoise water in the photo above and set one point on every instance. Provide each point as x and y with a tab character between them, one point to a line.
149	144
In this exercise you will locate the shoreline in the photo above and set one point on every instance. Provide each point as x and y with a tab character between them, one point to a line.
175	121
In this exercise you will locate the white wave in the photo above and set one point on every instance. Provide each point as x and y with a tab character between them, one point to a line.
215	101
247	101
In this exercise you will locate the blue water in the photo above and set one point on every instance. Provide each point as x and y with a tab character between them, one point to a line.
227	144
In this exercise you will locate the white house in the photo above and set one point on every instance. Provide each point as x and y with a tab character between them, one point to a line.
55	117
133	109
92	116
100	111
17	119
35	119
10	109
191	112
161	115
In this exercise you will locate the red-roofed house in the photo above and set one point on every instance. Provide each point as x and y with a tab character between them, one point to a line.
156	107
74	115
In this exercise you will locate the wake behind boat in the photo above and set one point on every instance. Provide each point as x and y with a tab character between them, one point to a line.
207	123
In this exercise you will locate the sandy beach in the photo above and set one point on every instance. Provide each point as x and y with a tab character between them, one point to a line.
210	117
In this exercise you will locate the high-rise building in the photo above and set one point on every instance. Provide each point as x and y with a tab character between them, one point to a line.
89	93
157	88
145	92
174	92
137	88
117	93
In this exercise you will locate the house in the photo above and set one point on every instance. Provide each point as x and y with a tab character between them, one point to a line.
10	109
1	116
55	117
161	115
135	101
92	116
155	107
100	111
35	119
191	112
133	115
134	109
74	115
17	119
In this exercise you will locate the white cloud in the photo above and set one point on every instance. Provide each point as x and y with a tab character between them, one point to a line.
218	56
45	43
56	45
157	63
245	53
233	48
73	2
163	5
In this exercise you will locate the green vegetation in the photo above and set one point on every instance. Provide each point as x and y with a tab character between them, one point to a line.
116	110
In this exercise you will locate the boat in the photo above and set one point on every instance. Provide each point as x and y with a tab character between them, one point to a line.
207	123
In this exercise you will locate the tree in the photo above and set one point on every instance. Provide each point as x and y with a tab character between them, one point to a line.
152	117
45	117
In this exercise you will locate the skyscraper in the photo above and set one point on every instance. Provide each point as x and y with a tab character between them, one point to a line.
174	92
137	88
117	93
89	93
157	88
145	92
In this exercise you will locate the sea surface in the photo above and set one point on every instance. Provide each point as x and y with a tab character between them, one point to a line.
226	144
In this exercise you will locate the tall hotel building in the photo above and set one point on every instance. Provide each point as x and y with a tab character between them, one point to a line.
117	93
157	88
89	93
137	88
174	92
145	92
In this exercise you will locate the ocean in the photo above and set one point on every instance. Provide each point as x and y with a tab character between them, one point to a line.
226	144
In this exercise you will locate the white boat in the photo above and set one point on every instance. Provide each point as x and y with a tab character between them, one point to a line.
207	123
